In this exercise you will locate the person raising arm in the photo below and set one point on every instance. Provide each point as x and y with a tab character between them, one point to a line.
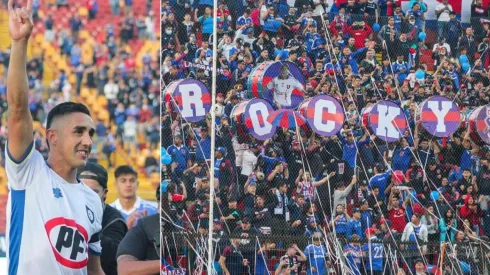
48	206
19	121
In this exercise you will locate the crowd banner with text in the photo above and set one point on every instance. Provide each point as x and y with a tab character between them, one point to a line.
439	116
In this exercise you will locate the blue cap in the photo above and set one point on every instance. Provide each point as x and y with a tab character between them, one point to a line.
222	150
163	186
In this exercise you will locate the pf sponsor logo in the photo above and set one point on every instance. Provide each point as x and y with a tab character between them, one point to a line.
69	242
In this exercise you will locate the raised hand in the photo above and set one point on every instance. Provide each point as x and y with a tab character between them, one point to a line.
20	21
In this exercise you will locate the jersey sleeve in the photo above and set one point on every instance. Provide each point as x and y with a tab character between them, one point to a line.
94	245
307	251
298	85
21	172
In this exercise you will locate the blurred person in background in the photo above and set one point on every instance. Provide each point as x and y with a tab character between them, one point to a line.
131	206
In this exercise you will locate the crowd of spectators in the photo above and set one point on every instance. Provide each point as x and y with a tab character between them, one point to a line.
303	184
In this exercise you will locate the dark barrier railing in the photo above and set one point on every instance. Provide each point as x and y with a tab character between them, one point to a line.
265	253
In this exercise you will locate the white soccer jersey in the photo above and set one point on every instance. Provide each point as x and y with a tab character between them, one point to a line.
52	225
139	205
283	89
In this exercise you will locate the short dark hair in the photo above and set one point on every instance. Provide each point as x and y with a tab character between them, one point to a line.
281	184
125	170
62	109
65	109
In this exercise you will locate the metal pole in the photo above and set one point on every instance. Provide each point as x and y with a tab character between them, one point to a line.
213	138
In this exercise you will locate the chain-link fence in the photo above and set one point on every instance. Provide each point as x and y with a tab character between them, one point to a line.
297	201
253	254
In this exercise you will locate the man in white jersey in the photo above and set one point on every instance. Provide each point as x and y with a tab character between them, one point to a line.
282	87
131	207
53	219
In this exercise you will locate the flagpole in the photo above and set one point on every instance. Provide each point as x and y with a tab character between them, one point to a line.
213	138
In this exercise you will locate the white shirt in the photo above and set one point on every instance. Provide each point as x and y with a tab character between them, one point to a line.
445	45
319	10
244	36
249	160
238	148
444	16
139	204
225	49
150	25
130	128
66	90
52	225
219	110
410	229
111	90
283	89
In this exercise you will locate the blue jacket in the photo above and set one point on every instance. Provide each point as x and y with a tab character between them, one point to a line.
352	60
349	150
203	150
380	180
354	227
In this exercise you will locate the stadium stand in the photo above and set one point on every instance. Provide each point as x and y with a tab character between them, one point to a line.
75	50
359	52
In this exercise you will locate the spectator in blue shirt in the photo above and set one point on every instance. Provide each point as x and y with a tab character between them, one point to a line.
340	222
354	226
373	253
276	155
314	42
418	16
367	216
380	179
350	58
207	22
306	19
353	255
208	53
350	146
181	157
203	150
399	16
401	68
272	22
455	174
245	20
317	256
402	156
